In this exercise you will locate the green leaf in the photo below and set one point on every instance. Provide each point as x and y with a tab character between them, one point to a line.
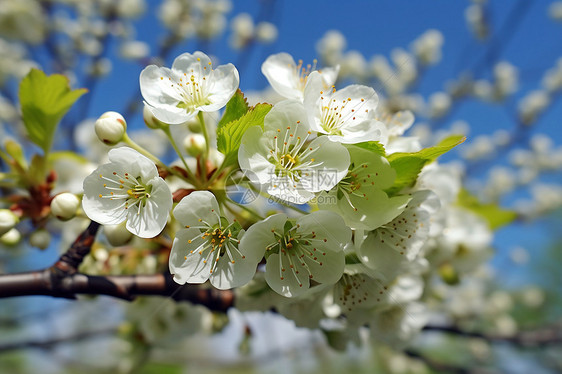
235	108
230	135
492	213
15	151
409	165
375	147
37	170
44	101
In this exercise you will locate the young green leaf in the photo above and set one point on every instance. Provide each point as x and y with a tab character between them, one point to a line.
409	165
235	108
492	213
375	147
15	151
44	101
229	136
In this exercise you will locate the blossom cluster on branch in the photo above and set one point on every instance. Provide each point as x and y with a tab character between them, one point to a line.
316	198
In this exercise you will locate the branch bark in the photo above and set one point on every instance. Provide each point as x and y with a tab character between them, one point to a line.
540	337
63	280
49	343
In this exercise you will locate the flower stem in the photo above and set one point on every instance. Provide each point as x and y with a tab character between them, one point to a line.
150	156
141	150
206	135
190	175
241	206
215	175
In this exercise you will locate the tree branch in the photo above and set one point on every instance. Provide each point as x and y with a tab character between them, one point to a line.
441	367
533	338
49	343
63	280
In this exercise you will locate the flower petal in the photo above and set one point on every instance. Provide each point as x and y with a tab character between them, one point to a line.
260	234
156	87
281	73
328	268
287	190
283	279
290	117
328	163
171	115
150	220
197	63
135	163
253	156
328	227
188	262
223	83
365	131
105	211
196	208
229	275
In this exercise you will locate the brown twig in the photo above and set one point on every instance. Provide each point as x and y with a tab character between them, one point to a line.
49	343
533	338
441	367
63	280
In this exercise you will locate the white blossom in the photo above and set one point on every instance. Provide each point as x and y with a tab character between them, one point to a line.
289	79
347	115
128	188
208	246
281	157
175	95
297	252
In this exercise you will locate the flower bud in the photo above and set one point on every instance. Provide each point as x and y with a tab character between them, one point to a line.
12	237
194	125
40	239
194	144
64	206
266	32
7	221
117	235
110	128
150	121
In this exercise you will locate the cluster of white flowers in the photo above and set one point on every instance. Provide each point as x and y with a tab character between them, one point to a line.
395	78
204	19
22	20
358	252
477	19
244	31
307	204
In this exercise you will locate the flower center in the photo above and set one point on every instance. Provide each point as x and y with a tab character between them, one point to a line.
356	177
218	242
336	114
192	88
301	72
290	155
296	248
127	188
